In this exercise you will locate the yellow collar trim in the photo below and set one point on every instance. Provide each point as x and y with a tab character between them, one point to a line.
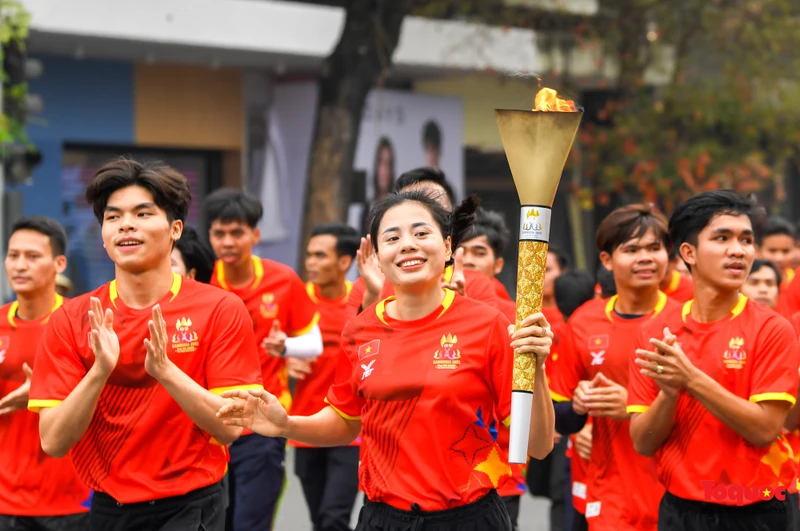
659	307
311	290
674	282
177	280
258	270
735	312
380	309
12	311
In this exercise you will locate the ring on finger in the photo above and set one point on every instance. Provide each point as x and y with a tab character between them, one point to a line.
659	370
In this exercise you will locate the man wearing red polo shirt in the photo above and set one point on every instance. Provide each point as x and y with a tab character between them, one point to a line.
713	381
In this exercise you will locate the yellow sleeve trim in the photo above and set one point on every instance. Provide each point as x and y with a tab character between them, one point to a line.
507	422
285	400
773	396
558	398
341	413
308	327
247	387
636	409
37	405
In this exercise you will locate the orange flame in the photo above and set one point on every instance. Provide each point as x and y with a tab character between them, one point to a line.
547	100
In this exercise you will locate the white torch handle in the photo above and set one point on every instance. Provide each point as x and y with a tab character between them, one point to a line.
521	406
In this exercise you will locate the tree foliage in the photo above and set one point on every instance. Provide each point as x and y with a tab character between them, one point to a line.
703	93
724	118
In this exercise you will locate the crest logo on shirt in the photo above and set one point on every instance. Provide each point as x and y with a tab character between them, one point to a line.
185	339
735	357
367	369
448	356
4	342
269	308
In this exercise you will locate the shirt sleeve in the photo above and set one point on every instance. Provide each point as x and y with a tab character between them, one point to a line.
342	395
355	298
775	361
58	365
232	360
303	314
570	369
642	391
500	368
479	287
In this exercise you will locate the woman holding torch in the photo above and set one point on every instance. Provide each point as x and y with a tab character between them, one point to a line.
422	376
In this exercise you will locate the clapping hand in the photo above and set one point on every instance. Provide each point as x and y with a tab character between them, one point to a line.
255	410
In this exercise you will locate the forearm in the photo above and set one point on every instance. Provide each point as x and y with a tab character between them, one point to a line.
61	427
305	347
200	404
325	428
793	417
748	419
567	421
650	429
542	420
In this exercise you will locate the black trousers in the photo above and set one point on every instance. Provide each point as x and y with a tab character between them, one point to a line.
547	478
512	506
256	479
199	510
71	522
488	513
794	507
677	514
329	477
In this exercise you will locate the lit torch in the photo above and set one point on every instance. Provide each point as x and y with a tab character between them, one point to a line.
537	144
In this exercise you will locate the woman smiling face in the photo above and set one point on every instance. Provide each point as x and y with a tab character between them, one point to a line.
412	251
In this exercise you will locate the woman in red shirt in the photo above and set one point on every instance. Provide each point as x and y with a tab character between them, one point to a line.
422	375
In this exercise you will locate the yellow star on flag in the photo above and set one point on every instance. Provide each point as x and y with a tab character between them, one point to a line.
494	467
767	493
369	349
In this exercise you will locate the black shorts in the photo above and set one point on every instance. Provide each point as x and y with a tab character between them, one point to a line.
72	522
199	510
678	514
488	513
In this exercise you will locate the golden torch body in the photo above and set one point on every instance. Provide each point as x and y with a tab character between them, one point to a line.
537	144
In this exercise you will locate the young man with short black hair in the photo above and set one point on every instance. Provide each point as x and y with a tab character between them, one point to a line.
329	476
713	381
622	488
36	255
128	377
285	321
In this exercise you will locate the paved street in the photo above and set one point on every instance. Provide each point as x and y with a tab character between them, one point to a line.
293	515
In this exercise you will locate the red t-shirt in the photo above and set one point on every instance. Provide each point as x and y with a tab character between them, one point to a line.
309	394
754	354
23	463
553	316
789	298
477	286
140	445
624	491
500	290
426	392
578	469
681	288
276	292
